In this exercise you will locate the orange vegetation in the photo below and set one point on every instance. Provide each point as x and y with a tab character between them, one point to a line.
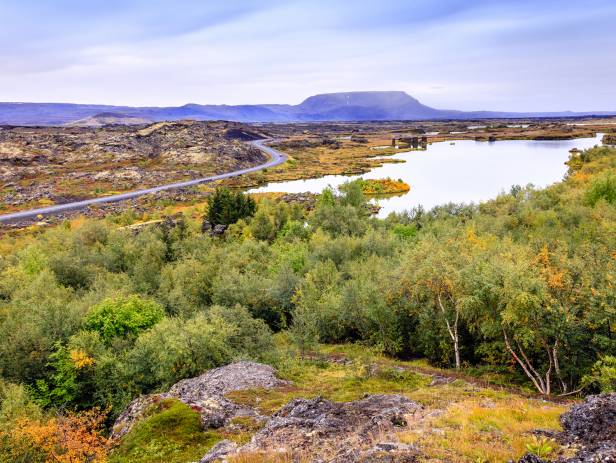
384	186
67	438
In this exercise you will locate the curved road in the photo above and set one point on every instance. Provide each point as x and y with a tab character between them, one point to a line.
276	158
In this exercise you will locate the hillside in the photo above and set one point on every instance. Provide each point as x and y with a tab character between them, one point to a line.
346	106
102	119
269	332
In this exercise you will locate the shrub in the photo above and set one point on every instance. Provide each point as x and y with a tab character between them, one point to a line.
64	438
602	188
225	207
125	317
175	349
603	374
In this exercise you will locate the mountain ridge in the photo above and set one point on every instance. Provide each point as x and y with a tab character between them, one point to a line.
341	106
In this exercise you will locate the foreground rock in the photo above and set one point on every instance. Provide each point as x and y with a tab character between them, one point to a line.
338	432
205	394
589	428
592	421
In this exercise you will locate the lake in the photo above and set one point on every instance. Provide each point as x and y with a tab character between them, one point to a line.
467	171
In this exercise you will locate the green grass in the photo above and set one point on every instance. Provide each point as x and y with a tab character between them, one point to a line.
172	433
474	423
340	383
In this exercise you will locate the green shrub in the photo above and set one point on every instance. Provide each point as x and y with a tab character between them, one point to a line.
404	231
175	349
123	317
226	207
602	188
603	374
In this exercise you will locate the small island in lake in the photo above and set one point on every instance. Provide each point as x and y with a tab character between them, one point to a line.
384	186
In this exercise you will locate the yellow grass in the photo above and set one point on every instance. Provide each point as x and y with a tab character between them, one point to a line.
485	430
350	158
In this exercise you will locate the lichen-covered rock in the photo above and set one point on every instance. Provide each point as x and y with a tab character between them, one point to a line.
383	452
218	381
221	450
339	431
603	452
530	458
132	414
590	428
205	394
593	420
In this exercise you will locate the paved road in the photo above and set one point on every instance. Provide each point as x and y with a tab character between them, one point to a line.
276	157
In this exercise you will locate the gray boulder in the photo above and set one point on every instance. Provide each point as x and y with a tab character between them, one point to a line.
589	428
593	420
206	394
383	452
340	431
222	449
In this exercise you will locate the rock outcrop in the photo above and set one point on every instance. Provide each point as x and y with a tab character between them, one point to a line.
589	428
206	394
320	430
594	420
221	450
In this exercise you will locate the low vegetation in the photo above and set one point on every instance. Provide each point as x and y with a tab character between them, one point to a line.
488	428
172	433
385	186
518	291
310	158
609	139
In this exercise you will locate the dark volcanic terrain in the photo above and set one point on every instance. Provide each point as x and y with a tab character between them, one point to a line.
45	165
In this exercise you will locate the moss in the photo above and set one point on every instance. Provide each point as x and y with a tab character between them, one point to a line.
331	381
247	422
171	433
242	429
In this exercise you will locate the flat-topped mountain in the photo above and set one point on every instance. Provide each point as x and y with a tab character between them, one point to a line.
366	106
102	119
346	106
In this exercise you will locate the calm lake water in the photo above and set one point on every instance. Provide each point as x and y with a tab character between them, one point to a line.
467	171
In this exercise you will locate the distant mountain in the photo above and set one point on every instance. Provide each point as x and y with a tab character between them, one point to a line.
365	106
347	106
102	119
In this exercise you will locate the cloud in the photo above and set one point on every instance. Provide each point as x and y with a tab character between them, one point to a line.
485	54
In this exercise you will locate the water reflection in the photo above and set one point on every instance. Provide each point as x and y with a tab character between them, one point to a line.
467	171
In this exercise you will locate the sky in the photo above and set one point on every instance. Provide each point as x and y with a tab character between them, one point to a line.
510	55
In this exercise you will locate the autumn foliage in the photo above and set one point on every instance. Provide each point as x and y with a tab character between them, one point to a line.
383	186
64	438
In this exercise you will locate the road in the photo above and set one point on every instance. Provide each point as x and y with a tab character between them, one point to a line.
276	158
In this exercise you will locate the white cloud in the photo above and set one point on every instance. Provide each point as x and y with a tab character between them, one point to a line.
490	55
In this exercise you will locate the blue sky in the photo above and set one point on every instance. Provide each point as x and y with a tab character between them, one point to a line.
485	54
